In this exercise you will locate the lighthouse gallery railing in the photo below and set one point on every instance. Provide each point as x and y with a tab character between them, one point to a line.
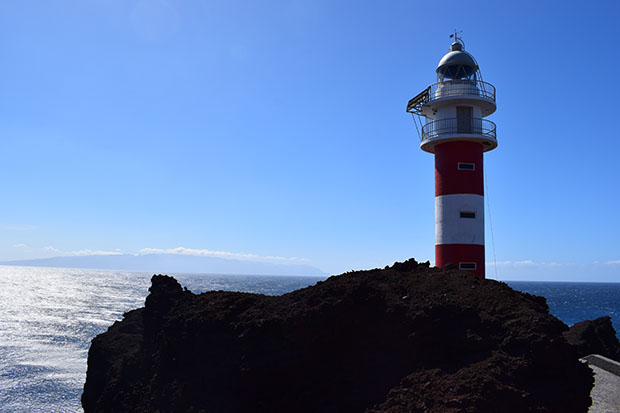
451	88
450	126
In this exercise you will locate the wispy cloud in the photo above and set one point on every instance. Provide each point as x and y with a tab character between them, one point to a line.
22	245
94	252
529	270
545	264
178	251
51	249
84	252
505	263
526	263
20	228
220	254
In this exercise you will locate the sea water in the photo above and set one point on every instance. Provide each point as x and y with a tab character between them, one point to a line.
48	316
573	302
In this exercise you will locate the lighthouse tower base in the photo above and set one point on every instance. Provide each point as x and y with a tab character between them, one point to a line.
467	257
459	206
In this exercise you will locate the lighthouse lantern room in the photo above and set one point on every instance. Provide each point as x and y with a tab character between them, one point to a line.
450	118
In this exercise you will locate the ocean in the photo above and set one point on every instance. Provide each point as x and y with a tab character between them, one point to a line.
48	316
573	302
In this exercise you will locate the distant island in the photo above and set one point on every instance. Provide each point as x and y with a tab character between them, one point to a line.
172	263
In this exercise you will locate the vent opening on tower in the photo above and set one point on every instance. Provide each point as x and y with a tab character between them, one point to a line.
468	214
467	265
467	166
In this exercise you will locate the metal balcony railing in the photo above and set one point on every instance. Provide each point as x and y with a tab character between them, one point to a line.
451	126
451	88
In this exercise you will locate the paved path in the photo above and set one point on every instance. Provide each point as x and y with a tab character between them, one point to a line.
606	392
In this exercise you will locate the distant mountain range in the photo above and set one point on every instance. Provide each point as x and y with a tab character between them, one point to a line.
171	263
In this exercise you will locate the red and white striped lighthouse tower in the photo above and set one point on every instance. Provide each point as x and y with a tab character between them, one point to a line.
451	114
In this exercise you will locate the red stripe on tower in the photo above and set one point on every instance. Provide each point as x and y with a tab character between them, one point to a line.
455	131
459	168
452	254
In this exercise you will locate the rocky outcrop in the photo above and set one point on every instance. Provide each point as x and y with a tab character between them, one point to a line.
594	337
406	338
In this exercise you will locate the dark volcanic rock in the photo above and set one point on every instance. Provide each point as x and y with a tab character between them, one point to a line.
407	338
594	337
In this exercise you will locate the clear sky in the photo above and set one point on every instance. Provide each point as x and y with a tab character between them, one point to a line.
278	129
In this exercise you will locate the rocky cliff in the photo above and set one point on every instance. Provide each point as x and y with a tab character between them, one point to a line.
406	338
594	337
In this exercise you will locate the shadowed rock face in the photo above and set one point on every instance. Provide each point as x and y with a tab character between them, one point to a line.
405	338
594	337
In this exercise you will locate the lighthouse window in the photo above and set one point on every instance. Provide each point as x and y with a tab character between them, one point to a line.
467	166
468	214
467	265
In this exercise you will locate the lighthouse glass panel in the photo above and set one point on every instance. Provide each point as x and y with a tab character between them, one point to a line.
457	72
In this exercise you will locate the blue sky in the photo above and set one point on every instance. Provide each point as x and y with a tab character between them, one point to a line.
277	129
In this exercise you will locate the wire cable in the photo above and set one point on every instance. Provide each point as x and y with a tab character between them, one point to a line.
486	195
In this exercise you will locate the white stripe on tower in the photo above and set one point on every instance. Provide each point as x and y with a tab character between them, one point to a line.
451	227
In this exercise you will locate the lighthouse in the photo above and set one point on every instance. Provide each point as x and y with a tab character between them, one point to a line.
451	116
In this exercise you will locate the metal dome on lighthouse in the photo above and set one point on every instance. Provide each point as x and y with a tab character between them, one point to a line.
451	126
